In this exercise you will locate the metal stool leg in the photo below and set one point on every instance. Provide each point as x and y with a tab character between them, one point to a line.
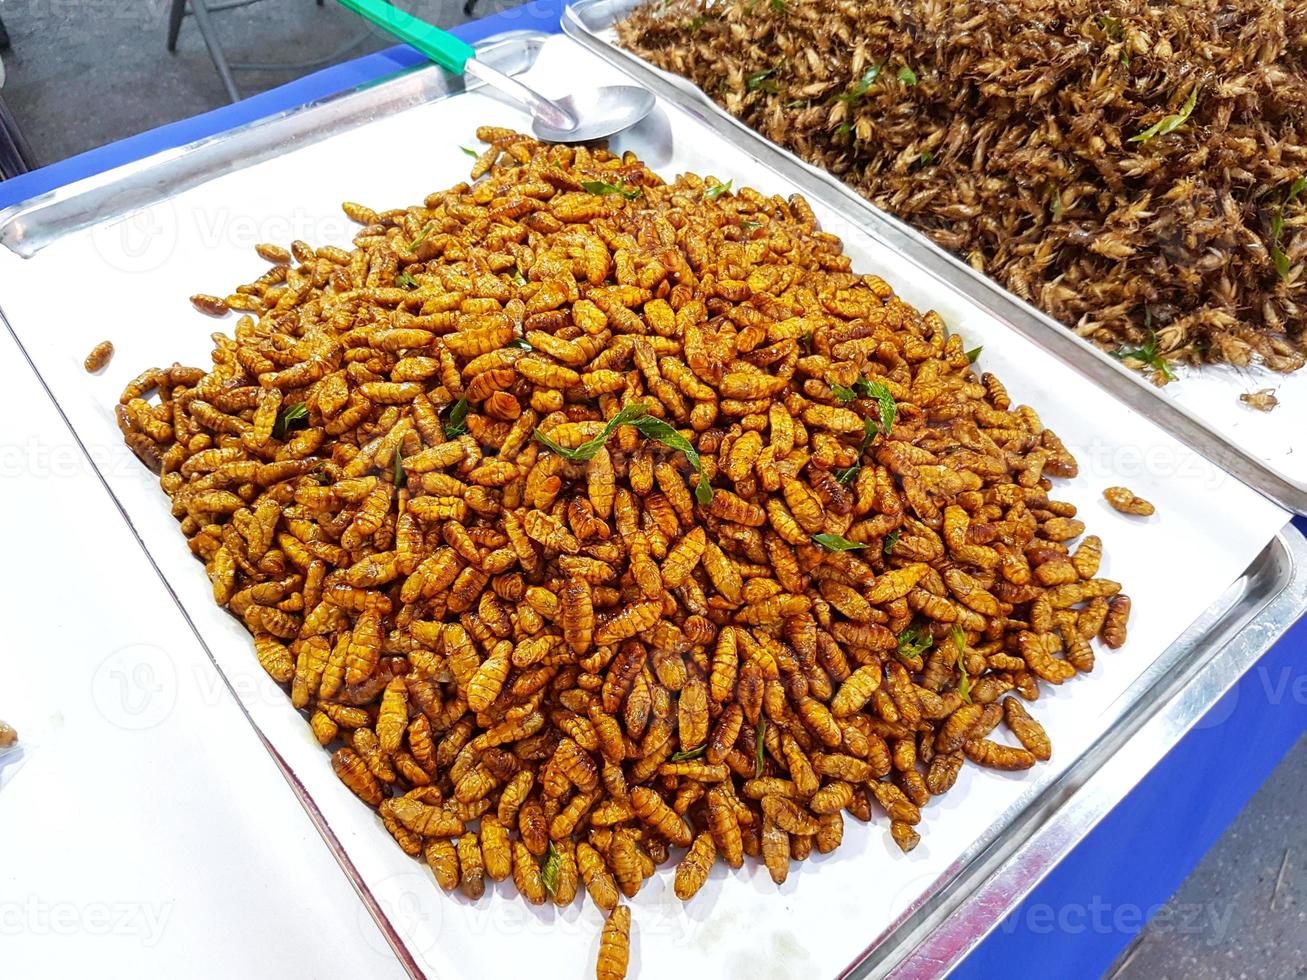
201	10
175	15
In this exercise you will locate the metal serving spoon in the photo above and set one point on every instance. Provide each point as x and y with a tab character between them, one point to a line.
572	119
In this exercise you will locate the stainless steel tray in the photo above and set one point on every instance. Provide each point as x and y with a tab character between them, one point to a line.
590	22
950	914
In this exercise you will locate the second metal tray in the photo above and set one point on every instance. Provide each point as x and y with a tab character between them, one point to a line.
591	22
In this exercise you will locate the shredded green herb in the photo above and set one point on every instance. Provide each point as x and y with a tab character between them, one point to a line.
520	343
405	280
289	418
843	395
590	448
864	85
1148	355
471	153
869	430
602	187
401	478
913	642
891	540
750	225
652	427
717	190
974	354
907	76
1278	258
422	236
834	542
1112	28
759	81
876	390
549	868
1168	124
689	754
457	423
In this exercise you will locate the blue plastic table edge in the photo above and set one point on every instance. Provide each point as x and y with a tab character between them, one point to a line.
1076	921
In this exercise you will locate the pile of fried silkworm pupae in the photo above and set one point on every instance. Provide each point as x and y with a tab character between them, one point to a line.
588	517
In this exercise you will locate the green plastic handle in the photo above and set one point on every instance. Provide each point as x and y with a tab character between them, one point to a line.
440	46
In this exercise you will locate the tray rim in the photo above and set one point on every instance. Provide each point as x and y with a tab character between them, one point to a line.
1272	613
28	226
1128	386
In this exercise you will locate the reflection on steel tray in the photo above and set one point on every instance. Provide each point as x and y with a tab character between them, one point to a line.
964	903
590	22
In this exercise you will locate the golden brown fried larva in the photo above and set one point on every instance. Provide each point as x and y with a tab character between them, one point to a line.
615	945
99	357
542	639
8	735
1128	502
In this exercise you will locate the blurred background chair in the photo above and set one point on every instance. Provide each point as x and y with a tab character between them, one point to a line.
203	11
15	155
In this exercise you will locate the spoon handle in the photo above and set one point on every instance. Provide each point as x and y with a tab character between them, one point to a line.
440	46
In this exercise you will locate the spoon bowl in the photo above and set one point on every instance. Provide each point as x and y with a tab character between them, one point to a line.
598	113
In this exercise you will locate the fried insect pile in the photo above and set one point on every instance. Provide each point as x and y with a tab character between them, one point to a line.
588	516
1133	168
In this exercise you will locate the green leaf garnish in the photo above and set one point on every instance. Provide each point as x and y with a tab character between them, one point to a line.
759	745
750	225
864	85
652	427
1148	355
778	6
401	478
891	540
590	448
876	390
422	236
843	395
694	23
843	129
758	81
689	754
913	642
964	683
472	153
1168	124
549	868
974	354
1278	258
1112	28
291	417
405	280
520	343
457	423
907	76
833	542
869	430
602	187
717	190
518	278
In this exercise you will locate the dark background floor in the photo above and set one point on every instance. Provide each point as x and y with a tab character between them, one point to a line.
86	72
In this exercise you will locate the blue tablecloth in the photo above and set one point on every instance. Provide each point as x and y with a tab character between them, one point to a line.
1082	915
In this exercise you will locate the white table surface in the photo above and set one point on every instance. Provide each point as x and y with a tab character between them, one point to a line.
135	840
